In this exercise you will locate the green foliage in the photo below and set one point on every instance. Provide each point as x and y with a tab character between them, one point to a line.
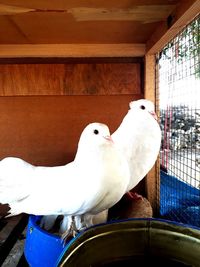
185	48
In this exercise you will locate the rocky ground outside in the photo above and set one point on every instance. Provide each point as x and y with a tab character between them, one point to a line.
180	149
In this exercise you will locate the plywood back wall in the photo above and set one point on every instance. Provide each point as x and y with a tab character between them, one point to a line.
44	107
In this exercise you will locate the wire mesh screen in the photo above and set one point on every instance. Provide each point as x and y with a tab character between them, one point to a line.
178	91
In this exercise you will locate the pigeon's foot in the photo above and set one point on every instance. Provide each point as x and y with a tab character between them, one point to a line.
134	196
70	233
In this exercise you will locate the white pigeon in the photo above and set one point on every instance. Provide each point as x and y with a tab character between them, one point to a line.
139	138
93	182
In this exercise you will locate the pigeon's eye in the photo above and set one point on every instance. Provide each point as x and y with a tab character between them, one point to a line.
142	107
96	131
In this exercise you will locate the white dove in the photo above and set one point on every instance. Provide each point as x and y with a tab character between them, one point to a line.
139	138
93	182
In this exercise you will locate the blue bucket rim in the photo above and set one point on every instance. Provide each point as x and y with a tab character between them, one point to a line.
33	219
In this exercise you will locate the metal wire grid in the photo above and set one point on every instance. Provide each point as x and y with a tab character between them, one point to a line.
178	92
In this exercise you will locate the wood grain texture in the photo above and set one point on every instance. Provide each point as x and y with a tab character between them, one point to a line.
70	79
44	130
149	78
67	22
143	13
153	176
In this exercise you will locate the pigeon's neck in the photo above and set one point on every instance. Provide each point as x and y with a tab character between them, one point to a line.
91	153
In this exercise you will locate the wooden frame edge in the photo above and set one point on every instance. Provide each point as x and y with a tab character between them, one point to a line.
166	31
71	50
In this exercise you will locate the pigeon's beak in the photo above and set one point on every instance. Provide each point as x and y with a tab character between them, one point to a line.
154	115
109	138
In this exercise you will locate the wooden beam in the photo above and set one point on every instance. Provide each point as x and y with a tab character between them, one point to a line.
184	13
72	50
144	13
149	87
152	178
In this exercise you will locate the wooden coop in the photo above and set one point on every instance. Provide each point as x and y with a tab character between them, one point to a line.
64	64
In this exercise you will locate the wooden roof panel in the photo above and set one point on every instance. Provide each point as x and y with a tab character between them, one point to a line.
115	21
39	27
9	32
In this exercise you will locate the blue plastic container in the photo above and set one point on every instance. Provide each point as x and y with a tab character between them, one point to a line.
41	248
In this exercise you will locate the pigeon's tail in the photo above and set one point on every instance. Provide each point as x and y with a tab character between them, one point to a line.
14	180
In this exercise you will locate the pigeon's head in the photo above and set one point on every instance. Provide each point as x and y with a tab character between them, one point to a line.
96	134
143	106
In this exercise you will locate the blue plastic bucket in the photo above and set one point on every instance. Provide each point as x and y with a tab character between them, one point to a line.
41	248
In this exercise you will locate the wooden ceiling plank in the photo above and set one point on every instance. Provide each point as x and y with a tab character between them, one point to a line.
144	14
9	10
65	4
185	12
72	50
54	28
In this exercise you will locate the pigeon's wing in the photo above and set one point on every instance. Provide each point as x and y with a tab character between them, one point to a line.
33	190
52	192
